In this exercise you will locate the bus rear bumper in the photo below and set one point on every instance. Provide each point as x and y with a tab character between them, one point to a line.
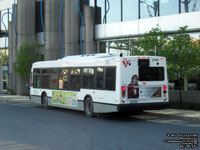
142	106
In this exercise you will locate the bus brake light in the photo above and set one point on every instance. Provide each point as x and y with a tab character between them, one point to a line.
164	87
123	91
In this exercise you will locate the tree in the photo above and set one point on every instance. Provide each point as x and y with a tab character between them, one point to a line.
183	56
27	55
182	53
151	43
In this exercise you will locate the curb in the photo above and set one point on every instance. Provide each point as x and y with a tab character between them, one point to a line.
172	116
15	100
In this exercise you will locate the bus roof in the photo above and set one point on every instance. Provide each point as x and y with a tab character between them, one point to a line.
104	59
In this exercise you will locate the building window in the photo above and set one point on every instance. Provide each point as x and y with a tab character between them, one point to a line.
149	8
113	9
4	19
130	10
100	11
169	7
190	6
38	23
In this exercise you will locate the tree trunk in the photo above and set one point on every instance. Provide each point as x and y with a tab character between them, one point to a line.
185	83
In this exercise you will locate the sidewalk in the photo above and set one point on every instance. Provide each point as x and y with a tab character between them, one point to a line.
192	115
13	98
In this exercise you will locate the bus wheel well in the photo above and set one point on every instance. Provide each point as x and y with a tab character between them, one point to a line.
87	97
43	93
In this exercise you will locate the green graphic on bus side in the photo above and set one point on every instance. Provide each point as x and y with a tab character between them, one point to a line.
64	98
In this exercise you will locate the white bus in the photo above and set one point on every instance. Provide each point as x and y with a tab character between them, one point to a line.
101	83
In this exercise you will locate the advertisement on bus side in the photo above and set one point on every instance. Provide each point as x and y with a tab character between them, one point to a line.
64	98
136	91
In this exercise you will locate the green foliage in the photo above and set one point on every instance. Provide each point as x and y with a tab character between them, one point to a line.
27	55
151	43
4	57
10	91
183	55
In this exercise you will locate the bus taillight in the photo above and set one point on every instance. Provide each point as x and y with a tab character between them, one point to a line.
165	92
123	91
164	87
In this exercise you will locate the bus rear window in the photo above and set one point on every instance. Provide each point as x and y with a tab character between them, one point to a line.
151	73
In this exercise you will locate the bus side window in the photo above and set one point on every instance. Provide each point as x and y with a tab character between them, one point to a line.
44	81
64	79
88	78
44	78
36	78
110	78
75	79
99	78
36	81
53	78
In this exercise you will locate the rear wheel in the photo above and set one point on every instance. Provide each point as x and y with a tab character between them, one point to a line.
45	101
88	107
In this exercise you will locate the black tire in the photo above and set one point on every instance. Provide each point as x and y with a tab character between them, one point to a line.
45	101
88	107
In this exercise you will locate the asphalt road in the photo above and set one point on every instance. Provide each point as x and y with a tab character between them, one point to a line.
26	126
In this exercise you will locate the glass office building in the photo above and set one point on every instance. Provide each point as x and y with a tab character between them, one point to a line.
125	10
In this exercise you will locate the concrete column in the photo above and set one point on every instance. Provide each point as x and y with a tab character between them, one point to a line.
90	45
26	22
26	34
10	48
53	43
0	20
71	28
14	53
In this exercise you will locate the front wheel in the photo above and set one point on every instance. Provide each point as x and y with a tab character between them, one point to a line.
88	107
45	101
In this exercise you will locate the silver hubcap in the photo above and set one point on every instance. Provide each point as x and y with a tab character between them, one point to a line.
45	101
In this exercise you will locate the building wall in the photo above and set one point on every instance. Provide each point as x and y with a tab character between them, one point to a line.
51	47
